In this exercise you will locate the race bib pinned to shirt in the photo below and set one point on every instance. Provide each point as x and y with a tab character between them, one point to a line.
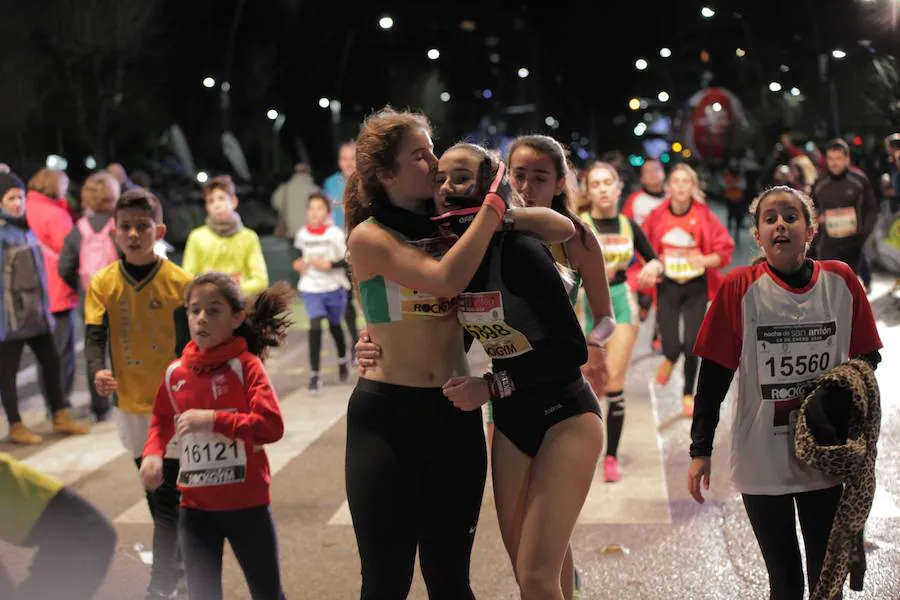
618	250
679	265
789	359
421	304
209	459
841	222
481	313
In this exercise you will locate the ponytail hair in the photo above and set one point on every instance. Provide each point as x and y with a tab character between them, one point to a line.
268	315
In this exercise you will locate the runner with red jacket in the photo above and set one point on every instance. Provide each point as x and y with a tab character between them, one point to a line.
693	245
220	403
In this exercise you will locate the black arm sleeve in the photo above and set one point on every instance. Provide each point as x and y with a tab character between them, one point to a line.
530	273
641	243
339	264
182	332
69	259
712	386
873	358
95	337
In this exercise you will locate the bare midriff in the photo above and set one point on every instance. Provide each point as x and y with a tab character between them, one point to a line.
420	353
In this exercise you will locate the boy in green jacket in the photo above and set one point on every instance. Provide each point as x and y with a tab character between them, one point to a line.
223	243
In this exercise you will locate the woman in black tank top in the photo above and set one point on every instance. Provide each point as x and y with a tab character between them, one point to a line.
549	431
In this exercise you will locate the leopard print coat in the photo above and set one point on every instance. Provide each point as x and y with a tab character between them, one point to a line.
854	463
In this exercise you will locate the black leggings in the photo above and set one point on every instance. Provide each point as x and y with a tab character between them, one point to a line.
315	342
251	534
44	350
75	547
163	503
64	338
772	519
415	472
675	300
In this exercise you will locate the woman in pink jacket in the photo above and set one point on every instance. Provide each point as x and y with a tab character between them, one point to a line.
46	211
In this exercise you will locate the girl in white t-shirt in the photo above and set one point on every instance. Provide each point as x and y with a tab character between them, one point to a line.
323	283
783	322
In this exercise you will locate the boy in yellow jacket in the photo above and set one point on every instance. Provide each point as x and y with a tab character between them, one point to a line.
223	243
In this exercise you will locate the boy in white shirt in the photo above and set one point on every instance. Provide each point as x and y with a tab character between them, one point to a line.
323	282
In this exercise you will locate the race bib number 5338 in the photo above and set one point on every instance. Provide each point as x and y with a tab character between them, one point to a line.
482	315
789	359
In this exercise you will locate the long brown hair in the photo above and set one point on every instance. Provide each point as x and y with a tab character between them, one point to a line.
268	315
564	202
376	151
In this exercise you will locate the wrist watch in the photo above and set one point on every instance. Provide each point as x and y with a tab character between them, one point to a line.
509	221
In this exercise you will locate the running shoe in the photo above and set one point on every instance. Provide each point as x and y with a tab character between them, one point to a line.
656	345
664	371
315	384
687	405
343	372
643	314
611	471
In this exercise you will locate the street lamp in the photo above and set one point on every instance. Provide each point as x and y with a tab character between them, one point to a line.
838	53
740	52
202	177
663	96
634	104
208	82
665	52
640	129
272	114
523	73
707	12
385	22
640	64
445	96
795	91
324	102
774	87
434	54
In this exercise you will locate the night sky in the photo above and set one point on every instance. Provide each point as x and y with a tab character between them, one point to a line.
287	54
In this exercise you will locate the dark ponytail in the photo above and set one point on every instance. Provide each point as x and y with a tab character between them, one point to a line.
268	315
357	207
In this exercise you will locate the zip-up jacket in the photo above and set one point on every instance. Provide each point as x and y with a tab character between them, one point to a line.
234	383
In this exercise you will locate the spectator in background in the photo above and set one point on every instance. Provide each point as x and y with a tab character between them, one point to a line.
47	212
89	247
334	184
118	171
289	201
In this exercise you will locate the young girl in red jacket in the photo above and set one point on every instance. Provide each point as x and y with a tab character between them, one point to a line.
220	403
693	245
